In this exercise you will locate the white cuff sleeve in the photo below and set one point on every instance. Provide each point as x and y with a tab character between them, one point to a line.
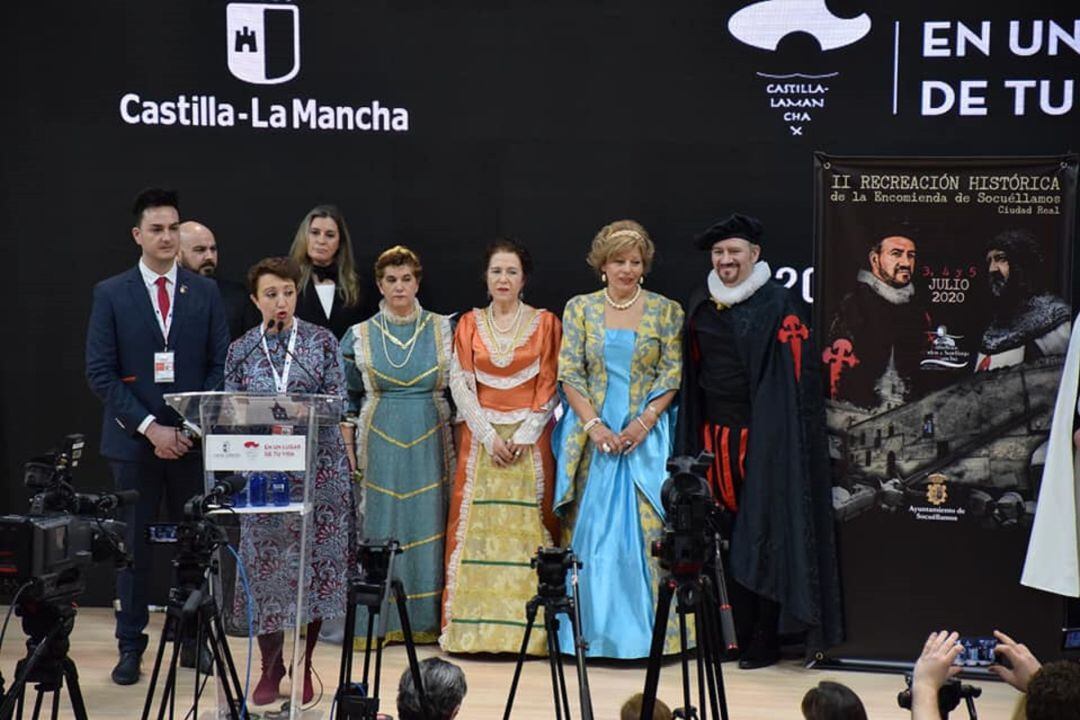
145	424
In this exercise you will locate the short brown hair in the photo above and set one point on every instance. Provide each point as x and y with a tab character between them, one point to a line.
283	267
512	246
618	237
631	709
1054	692
398	255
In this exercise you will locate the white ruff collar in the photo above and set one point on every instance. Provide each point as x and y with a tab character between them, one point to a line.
737	293
894	295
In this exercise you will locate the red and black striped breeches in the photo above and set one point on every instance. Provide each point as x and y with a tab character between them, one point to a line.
728	445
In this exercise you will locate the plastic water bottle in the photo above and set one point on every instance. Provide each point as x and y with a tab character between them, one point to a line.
240	499
279	489
257	489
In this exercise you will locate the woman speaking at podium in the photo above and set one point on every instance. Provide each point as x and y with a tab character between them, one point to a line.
285	354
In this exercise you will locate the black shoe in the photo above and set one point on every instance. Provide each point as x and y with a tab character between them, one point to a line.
127	671
187	657
763	650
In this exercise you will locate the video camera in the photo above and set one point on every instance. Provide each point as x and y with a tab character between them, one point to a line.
64	531
692	518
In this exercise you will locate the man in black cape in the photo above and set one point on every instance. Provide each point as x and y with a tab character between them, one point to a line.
752	395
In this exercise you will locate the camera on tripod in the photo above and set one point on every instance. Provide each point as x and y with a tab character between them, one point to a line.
551	565
64	532
949	696
692	518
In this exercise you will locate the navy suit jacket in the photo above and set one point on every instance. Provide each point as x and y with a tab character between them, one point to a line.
121	340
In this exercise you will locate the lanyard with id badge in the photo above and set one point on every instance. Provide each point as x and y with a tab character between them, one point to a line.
165	361
281	382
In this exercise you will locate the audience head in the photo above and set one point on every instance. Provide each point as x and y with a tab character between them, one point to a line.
1054	692
631	709
397	274
322	245
273	283
832	701
157	227
444	690
198	248
507	266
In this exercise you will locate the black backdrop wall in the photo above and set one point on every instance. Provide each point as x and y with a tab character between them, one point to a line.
541	120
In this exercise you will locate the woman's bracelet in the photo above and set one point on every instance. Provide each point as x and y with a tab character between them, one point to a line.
642	423
592	423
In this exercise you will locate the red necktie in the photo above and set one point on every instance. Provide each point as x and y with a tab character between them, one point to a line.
163	298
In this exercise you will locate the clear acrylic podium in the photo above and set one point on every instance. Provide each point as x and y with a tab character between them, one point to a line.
247	433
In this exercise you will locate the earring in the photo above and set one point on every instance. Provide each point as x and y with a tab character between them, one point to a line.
641	280
603	277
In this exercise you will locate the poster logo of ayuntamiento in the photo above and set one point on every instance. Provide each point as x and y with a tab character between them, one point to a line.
795	94
943	301
263	42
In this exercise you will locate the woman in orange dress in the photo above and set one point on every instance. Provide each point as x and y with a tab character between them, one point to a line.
503	379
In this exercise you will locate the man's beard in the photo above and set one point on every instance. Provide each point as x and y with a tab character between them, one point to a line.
998	284
207	269
894	281
1006	295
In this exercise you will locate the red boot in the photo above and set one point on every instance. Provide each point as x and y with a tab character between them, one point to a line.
273	669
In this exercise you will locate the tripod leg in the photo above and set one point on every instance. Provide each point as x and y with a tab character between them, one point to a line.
707	653
701	660
717	619
579	656
165	628
226	666
656	650
78	707
530	617
410	646
229	685
553	635
345	671
684	661
553	663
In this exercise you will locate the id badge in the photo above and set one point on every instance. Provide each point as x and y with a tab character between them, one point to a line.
164	367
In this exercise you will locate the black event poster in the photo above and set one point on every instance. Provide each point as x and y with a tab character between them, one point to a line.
943	308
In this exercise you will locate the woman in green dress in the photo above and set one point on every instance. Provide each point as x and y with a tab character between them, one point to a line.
397	367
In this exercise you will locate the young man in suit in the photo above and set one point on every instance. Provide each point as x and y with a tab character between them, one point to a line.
154	329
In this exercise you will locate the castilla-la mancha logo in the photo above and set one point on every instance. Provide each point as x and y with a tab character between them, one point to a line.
263	41
765	24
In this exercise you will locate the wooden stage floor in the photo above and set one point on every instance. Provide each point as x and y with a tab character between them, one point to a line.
765	694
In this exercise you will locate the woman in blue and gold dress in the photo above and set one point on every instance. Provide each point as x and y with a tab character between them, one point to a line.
620	365
397	367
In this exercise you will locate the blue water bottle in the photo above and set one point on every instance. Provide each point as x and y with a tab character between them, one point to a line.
240	499
257	489
279	489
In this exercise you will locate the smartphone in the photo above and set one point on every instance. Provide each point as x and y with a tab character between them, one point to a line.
978	651
1070	638
161	533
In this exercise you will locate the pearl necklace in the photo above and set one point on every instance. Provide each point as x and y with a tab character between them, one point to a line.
496	331
410	344
623	305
